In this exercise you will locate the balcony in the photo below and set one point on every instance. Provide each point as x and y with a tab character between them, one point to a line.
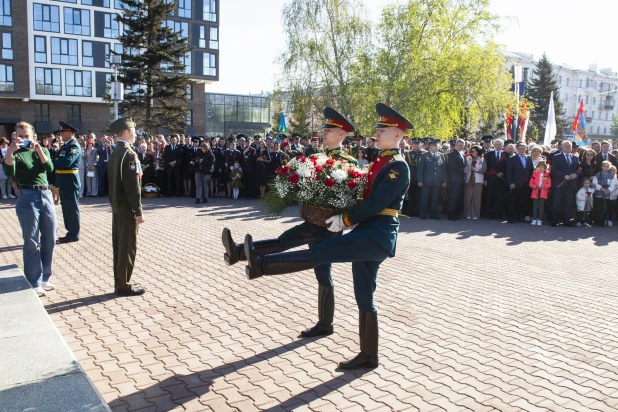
607	105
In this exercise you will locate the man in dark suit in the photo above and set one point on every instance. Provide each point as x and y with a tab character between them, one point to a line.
431	176
171	160
103	152
495	179
564	175
518	172
605	155
456	169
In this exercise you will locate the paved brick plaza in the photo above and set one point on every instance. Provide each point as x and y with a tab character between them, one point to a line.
473	316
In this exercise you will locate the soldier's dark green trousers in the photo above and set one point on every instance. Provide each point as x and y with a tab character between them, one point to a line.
124	241
69	199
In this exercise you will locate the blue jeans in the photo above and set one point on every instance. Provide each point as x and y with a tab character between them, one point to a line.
37	218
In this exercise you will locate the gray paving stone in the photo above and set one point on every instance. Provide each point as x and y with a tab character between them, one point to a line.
24	319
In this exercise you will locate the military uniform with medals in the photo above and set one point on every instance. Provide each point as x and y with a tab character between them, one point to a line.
125	197
412	158
68	183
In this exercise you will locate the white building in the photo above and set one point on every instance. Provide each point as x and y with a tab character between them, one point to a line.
598	89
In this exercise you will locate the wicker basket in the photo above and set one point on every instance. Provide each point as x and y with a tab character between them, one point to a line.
151	195
316	215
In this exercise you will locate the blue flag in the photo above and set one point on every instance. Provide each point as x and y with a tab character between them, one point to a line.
282	127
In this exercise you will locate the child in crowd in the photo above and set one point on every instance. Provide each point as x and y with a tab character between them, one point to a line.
604	183
584	204
540	184
613	206
236	176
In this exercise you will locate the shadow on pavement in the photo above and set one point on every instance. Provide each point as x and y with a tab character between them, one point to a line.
194	383
79	302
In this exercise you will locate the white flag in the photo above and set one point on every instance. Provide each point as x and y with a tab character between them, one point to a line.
550	127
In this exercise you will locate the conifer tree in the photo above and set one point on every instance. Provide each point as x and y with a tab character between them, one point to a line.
539	91
153	69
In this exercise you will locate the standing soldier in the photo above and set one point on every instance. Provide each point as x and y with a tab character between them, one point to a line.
124	172
67	181
314	149
414	192
431	179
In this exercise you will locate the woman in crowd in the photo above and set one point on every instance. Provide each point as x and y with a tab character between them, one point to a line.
203	171
474	178
603	183
160	176
5	184
276	158
91	156
536	154
146	158
263	166
30	163
361	158
588	164
221	170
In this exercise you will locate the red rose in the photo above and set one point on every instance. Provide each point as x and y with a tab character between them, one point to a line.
329	182
302	159
330	162
352	184
294	178
473	163
354	174
319	169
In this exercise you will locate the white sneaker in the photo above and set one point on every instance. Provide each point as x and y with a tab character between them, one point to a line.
578	224
39	291
610	223
539	223
475	218
527	218
468	217
48	286
534	223
11	197
5	197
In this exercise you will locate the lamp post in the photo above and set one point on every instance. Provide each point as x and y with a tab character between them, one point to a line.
116	88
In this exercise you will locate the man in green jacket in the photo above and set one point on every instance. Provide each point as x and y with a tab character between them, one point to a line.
125	195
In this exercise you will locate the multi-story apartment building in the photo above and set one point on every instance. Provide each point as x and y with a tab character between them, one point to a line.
54	63
598	89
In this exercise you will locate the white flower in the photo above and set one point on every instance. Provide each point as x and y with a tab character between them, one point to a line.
305	169
320	159
339	175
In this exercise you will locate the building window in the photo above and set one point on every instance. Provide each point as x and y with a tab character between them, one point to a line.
64	51
40	49
46	18
79	83
74	113
184	8
68	1
41	112
605	130
178	27
187	62
210	11
594	100
98	3
118	4
7	46
210	65
76	21
214	38
189	118
587	98
87	57
568	81
190	91
5	13
580	83
202	42
111	28
7	82
48	81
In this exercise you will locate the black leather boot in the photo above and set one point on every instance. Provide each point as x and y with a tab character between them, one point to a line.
368	334
235	252
326	313
275	264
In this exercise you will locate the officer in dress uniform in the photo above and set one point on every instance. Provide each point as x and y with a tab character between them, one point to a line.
125	197
371	242
314	149
68	182
431	179
335	128
413	156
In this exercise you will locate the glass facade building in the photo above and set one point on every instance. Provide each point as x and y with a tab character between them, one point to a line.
237	113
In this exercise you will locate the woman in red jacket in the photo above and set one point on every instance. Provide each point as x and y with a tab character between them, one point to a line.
540	184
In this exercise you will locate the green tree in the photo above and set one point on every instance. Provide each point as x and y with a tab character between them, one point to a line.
152	68
323	40
614	128
539	92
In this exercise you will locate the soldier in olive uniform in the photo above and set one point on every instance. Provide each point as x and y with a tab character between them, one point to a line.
314	149
68	182
124	171
335	127
370	243
413	157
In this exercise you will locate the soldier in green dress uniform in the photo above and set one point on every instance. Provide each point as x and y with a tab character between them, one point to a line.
371	242
314	147
125	197
68	182
335	129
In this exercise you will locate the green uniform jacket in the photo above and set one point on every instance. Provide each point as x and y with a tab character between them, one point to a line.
311	151
69	157
27	167
341	155
125	193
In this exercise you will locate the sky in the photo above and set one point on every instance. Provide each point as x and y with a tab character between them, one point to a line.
574	32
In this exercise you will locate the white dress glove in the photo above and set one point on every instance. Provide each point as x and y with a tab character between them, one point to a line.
336	223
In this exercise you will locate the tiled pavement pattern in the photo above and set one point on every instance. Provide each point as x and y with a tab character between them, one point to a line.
473	316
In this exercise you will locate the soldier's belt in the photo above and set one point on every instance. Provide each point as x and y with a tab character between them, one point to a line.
389	212
67	172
